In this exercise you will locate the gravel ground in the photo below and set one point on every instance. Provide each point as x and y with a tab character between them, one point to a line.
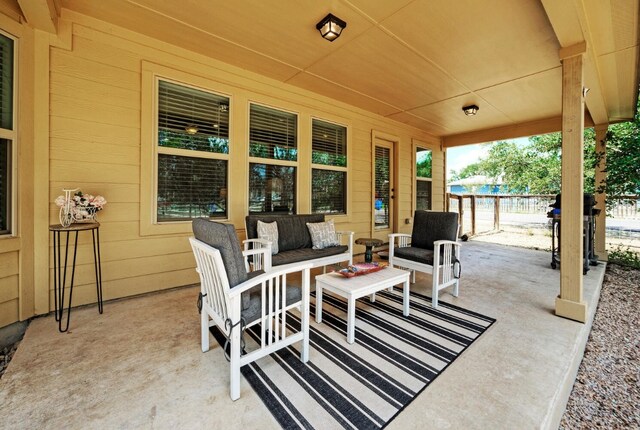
607	390
6	354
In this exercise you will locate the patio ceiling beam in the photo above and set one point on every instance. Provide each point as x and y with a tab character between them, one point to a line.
40	14
514	131
570	304
569	21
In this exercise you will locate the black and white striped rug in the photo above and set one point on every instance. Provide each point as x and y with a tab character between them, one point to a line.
366	384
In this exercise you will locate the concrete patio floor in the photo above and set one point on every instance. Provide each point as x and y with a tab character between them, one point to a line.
139	365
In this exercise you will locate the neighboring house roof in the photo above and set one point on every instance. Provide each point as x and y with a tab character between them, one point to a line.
475	180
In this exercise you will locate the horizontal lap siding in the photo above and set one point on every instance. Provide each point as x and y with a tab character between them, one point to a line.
95	126
9	270
95	145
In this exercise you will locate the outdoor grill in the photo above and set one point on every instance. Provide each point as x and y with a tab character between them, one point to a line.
588	231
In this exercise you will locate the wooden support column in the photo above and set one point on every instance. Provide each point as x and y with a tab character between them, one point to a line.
601	181
570	303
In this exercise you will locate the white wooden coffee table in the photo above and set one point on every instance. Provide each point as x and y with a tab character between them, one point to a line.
359	286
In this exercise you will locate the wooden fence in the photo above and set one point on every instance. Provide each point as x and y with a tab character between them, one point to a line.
469	205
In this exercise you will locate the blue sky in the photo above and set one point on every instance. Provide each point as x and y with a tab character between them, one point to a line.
461	156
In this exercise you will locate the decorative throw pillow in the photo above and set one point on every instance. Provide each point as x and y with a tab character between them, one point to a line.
269	231
323	234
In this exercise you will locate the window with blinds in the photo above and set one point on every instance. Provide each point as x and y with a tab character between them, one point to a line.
329	144
328	190
272	188
423	178
192	119
6	125
329	172
273	133
5	186
190	187
192	151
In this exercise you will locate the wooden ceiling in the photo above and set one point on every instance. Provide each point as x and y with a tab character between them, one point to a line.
416	61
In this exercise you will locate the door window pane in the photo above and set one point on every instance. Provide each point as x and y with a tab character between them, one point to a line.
382	186
423	195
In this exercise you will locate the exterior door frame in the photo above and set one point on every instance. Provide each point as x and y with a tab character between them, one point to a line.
390	141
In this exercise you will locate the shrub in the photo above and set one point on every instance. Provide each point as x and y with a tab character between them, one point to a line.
625	256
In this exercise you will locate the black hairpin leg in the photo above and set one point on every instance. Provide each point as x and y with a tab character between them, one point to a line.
60	277
97	265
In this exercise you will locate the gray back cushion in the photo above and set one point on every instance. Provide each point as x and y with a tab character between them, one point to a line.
223	238
292	229
431	226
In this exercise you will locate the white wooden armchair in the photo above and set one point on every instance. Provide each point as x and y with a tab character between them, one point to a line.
234	300
431	248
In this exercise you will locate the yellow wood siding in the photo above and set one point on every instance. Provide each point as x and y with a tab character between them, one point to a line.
97	143
9	287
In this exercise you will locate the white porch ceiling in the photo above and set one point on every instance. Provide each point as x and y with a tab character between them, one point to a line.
416	61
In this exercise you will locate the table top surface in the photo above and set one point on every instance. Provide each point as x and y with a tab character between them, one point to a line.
386	276
79	226
368	241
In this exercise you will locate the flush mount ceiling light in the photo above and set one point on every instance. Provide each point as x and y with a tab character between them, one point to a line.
470	110
330	27
191	129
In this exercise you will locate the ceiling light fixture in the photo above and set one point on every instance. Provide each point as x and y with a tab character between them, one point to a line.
330	27
470	110
191	129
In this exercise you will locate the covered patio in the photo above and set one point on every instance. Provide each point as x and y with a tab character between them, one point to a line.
174	112
134	367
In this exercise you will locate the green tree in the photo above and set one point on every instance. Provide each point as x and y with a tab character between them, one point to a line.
623	159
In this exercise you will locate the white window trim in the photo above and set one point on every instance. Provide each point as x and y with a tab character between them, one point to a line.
272	161
334	168
151	74
423	146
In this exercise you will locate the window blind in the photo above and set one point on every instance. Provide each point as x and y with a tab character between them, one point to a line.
423	195
5	186
328	190
190	187
273	133
6	82
206	113
329	143
382	175
272	188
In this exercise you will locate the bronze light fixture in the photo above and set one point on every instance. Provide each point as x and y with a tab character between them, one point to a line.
330	27
470	110
191	129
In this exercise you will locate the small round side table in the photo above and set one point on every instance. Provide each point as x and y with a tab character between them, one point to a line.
60	268
369	242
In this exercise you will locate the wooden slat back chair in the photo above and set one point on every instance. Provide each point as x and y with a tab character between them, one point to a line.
431	248
235	300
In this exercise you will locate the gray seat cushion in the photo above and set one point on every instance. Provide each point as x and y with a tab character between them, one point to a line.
223	238
292	229
296	255
419	255
431	226
254	310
